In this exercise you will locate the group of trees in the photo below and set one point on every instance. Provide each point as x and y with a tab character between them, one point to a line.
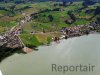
5	52
88	2
9	11
97	11
22	1
64	1
50	18
72	16
15	1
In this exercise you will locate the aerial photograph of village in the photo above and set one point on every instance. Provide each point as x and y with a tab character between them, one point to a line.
50	37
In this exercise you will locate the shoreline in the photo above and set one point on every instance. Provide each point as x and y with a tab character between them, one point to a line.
28	50
66	33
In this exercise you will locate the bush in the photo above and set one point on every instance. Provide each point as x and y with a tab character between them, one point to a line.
49	39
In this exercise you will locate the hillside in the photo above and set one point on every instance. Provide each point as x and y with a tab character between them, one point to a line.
29	25
25	1
46	17
52	15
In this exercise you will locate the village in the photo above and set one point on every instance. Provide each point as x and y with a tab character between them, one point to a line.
13	40
28	26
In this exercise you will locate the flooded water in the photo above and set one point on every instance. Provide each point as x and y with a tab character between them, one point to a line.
84	50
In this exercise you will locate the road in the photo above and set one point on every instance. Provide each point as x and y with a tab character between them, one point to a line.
11	38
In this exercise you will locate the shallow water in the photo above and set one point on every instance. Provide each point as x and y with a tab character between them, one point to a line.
83	50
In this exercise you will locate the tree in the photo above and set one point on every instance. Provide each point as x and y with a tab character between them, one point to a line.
12	8
64	2
97	11
50	18
88	2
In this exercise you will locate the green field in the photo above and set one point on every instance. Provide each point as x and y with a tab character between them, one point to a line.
42	20
50	17
35	40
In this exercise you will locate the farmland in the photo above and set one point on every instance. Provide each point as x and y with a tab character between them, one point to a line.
46	17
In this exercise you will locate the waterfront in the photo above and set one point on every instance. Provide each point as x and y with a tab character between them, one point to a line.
73	51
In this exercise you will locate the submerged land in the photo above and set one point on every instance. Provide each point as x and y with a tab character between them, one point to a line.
27	25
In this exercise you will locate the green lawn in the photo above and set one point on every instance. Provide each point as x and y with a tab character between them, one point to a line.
30	40
35	40
7	24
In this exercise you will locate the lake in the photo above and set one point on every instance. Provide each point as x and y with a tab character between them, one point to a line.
84	50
